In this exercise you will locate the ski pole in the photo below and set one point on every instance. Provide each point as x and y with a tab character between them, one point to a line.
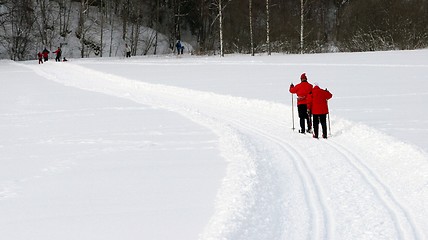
328	116
292	110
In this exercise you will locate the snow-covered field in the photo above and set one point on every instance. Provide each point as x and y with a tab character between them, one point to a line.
190	147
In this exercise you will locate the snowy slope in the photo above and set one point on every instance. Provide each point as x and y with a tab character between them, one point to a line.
277	184
80	165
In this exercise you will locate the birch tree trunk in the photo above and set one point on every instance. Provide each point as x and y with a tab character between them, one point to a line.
157	27
251	26
177	21
302	18
220	14
267	28
81	31
111	22
102	10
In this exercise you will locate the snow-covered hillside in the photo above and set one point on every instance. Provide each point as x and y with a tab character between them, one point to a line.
202	148
100	39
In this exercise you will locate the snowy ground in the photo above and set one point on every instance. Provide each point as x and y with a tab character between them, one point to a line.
202	148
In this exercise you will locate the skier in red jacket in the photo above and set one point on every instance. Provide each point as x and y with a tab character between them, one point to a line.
45	53
40	57
320	109
58	55
302	90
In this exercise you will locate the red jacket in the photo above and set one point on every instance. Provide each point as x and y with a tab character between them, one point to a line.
58	51
45	53
302	90
319	100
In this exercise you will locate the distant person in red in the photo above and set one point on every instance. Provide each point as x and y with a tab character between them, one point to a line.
302	90
320	109
45	54
40	57
58	55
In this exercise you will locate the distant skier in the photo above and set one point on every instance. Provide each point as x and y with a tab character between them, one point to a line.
320	109
40	57
45	53
179	47
128	51
302	90
58	55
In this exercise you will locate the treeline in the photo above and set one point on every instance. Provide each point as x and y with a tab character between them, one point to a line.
214	26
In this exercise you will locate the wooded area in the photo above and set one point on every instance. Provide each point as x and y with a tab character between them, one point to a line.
215	26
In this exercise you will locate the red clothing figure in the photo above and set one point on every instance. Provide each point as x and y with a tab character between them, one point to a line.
320	109
45	54
40	56
319	100
58	55
303	90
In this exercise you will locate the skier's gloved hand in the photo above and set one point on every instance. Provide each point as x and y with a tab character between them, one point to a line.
291	85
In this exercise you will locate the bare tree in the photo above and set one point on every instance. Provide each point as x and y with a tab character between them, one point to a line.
250	10
149	40
102	13
110	7
125	18
156	27
83	27
302	22
221	7
41	22
220	16
18	21
64	17
136	22
80	33
267	27
205	29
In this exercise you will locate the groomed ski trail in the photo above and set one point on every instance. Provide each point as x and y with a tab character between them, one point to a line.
277	186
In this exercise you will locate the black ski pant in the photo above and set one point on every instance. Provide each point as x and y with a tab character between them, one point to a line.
320	118
303	116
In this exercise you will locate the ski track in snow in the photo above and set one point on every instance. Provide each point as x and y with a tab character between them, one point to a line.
403	222
275	187
320	227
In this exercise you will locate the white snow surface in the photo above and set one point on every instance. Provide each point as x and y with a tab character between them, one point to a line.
166	147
